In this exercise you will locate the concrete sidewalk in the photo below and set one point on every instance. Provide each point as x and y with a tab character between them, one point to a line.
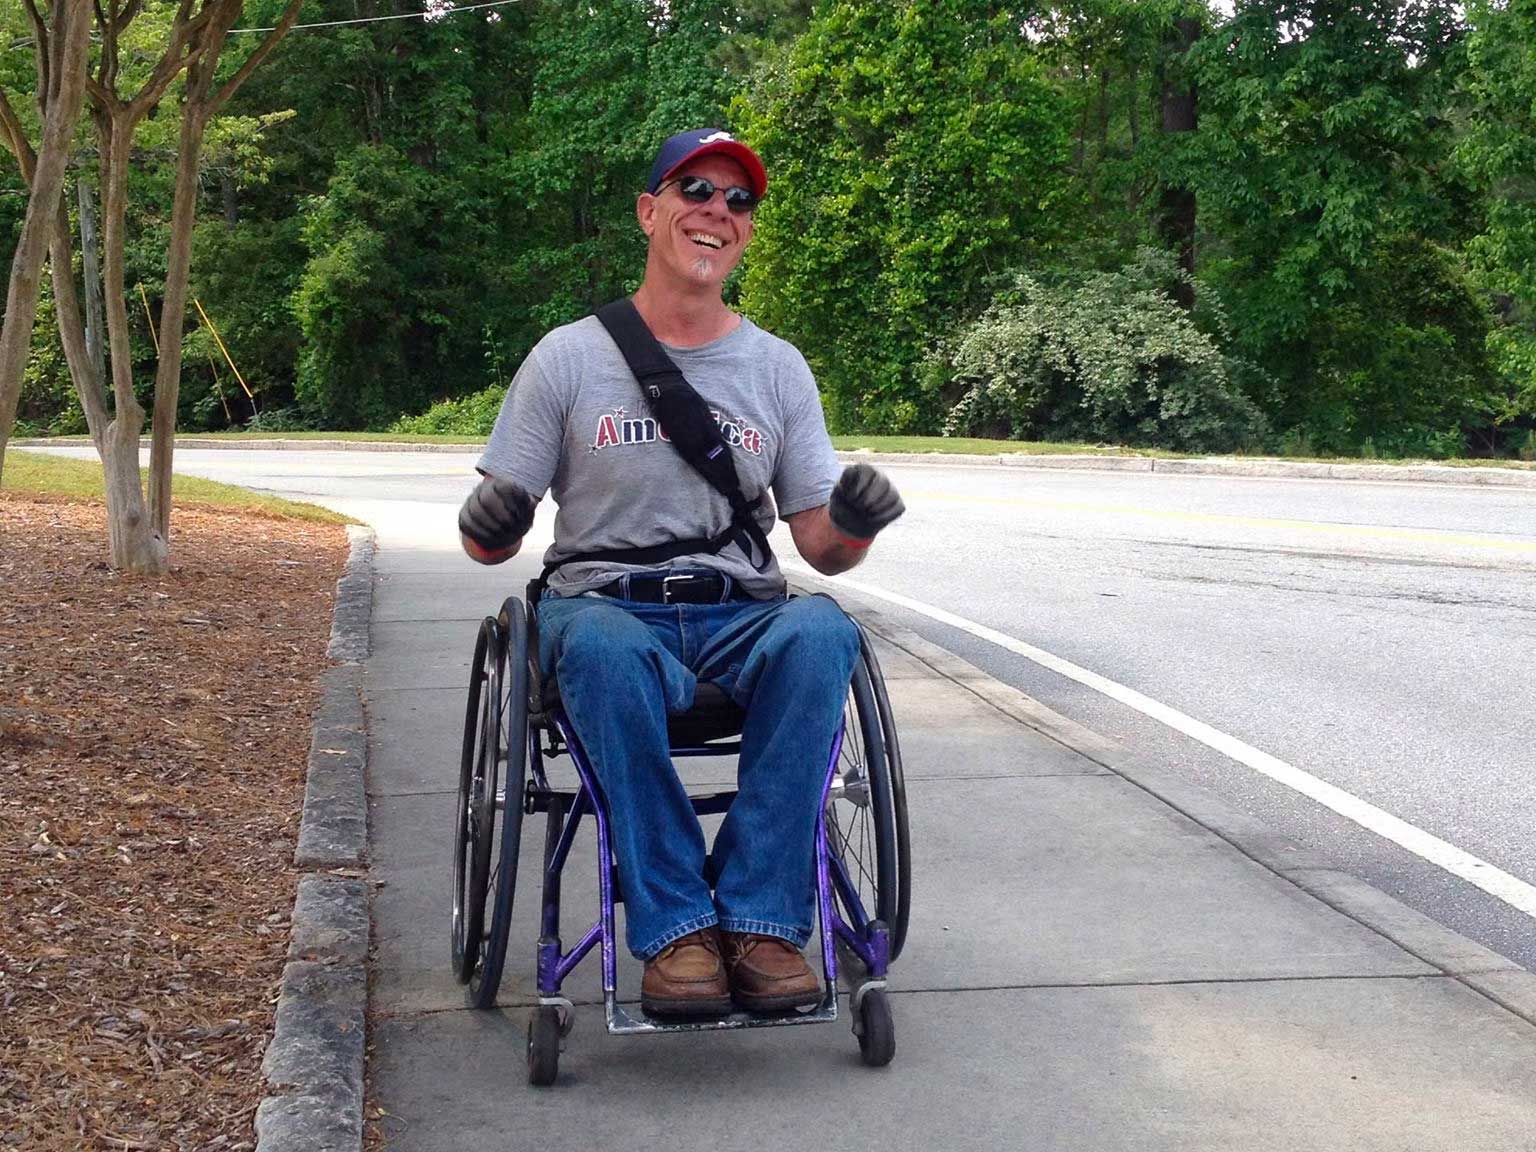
1100	958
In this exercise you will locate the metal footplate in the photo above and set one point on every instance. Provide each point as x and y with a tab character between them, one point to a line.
621	1022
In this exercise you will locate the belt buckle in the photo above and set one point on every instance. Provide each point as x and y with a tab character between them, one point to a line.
666	586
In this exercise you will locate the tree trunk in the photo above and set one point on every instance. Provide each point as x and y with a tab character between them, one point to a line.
90	266
1133	105
132	542
173	310
202	101
137	533
1080	146
1103	115
88	375
1176	204
61	103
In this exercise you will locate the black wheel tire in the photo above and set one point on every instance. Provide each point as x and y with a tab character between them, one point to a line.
507	750
870	836
471	840
543	1045
877	1030
897	785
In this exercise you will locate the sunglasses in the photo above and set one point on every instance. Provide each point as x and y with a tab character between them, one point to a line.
700	191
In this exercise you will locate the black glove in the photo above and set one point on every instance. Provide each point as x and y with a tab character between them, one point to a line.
497	514
863	502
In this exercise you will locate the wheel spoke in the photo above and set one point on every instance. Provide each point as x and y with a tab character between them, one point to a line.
867	851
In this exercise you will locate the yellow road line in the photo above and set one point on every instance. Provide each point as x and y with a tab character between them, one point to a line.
1379	531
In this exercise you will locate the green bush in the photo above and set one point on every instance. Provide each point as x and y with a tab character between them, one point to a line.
279	420
471	415
1402	363
1103	356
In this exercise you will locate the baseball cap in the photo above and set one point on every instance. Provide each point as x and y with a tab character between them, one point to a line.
686	146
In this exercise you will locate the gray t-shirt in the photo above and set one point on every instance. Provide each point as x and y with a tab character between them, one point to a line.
576	424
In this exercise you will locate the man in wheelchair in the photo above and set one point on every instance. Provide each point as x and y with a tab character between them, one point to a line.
659	579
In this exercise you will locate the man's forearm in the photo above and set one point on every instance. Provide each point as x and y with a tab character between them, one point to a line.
823	547
494	520
486	556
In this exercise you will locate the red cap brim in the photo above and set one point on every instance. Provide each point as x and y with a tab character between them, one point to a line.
738	152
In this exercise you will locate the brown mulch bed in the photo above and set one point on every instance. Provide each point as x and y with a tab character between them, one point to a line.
153	738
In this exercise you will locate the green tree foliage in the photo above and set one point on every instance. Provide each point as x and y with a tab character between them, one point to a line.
612	80
391	173
366	323
483	188
1323	142
916	152
1105	57
396	210
1108	357
1498	151
1401	363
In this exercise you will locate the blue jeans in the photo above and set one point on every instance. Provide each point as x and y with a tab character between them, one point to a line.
623	666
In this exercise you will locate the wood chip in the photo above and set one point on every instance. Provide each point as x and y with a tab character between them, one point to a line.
153	850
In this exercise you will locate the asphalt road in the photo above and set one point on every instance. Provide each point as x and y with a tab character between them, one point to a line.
1379	636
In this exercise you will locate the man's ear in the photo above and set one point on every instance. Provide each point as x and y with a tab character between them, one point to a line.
645	212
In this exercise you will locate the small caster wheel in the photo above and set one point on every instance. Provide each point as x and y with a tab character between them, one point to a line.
544	1032
876	1031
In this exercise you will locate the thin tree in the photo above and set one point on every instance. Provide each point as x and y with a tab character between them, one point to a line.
1179	104
203	99
138	532
61	34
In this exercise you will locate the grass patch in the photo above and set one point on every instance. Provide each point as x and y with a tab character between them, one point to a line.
976	447
82	480
958	445
376	437
850	443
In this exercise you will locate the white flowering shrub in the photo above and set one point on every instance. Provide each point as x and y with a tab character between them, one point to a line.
1107	356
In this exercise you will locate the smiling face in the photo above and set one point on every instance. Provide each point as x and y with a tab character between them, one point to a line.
696	245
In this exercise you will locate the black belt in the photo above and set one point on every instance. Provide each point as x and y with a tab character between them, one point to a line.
646	588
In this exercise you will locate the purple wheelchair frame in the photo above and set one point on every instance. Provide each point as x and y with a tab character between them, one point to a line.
869	940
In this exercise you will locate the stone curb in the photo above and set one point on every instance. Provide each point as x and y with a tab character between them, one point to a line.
1206	466
334	830
313	1066
354	601
1480	969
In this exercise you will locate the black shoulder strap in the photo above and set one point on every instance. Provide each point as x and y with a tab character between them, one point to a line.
683	414
689	425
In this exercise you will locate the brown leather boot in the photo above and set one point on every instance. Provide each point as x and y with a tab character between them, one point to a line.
686	978
768	974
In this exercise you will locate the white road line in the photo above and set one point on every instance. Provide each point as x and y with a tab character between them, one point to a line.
1494	881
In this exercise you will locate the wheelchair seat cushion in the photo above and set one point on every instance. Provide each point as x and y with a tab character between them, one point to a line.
714	715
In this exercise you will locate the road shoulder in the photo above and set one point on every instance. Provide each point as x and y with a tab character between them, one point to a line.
1480	969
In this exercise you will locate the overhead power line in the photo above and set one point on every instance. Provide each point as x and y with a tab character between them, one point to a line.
433	15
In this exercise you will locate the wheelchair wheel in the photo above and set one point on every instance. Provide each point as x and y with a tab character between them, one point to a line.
898	789
544	1045
867	810
474	810
505	745
877	1029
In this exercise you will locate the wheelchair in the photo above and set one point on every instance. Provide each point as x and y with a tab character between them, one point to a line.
514	722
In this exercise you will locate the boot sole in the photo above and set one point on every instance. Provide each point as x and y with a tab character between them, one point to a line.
782	1003
687	1008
